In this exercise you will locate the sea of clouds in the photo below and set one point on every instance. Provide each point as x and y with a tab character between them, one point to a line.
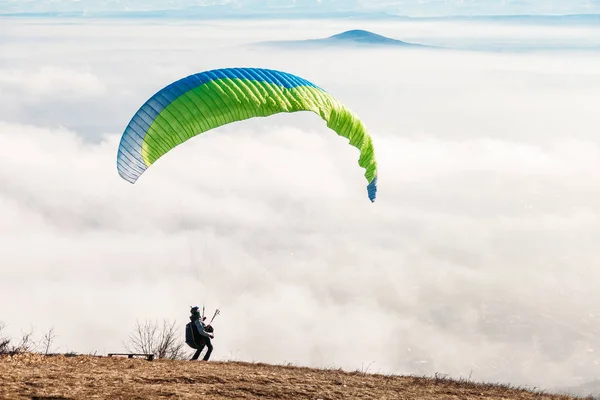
478	258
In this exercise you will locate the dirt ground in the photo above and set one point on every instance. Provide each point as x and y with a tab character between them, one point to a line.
34	376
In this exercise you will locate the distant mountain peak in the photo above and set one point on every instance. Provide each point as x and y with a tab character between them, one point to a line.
359	35
353	36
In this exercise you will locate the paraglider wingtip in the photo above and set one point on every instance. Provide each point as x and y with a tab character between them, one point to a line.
372	189
127	176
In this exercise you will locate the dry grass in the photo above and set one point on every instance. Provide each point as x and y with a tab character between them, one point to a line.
34	376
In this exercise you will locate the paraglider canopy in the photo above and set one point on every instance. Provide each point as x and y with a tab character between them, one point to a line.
204	101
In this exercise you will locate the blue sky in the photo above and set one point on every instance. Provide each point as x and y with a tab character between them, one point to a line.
416	8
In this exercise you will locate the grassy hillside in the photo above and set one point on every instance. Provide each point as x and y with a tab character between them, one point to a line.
34	376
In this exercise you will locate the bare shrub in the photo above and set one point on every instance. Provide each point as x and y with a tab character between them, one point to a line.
26	344
47	340
4	341
151	338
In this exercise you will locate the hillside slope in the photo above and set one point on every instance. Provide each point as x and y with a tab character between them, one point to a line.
34	376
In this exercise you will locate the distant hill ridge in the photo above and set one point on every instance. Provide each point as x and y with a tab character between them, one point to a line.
359	35
350	37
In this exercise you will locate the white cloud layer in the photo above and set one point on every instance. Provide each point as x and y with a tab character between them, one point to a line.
478	258
49	82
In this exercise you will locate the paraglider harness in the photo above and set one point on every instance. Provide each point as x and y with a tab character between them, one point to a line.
193	338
